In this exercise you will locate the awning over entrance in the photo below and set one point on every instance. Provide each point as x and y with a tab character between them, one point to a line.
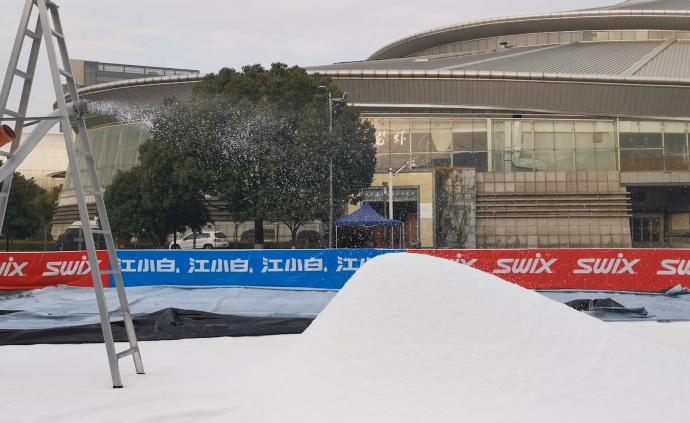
366	216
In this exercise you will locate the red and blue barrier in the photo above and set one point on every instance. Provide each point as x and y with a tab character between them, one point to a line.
642	270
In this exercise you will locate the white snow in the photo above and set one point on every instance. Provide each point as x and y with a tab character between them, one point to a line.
410	338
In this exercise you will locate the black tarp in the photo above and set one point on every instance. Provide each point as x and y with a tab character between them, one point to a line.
605	305
167	324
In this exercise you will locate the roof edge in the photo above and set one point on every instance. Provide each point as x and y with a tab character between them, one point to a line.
384	52
126	83
473	74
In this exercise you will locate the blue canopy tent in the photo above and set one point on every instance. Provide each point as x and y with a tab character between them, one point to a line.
367	217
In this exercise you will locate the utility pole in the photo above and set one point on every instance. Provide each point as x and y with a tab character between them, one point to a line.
391	173
343	99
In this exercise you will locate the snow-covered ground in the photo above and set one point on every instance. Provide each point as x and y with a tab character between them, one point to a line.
404	341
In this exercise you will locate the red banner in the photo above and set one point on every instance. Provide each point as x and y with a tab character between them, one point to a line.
580	269
19	271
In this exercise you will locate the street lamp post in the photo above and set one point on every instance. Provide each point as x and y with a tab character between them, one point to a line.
330	161
392	173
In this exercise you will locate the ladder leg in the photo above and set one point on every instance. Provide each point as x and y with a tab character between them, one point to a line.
12	68
79	190
45	33
84	145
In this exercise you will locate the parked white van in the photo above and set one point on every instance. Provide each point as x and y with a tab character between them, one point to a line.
205	239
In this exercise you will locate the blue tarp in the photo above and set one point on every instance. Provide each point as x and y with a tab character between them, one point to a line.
366	216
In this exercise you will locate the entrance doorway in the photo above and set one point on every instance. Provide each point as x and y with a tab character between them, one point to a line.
407	213
660	216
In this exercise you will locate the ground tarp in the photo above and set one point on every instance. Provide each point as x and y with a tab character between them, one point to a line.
167	324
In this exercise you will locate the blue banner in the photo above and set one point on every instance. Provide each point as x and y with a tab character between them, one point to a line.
323	269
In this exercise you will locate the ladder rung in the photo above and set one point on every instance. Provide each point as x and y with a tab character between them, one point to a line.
23	75
32	35
57	35
125	353
66	74
106	272
100	231
114	313
4	194
12	113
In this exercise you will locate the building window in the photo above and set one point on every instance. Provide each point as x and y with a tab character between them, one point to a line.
654	146
647	229
470	145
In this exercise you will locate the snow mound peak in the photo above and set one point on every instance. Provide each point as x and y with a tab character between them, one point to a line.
415	338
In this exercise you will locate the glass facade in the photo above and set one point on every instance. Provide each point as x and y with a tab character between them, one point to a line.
550	38
527	145
431	142
46	163
114	148
547	145
654	146
497	145
99	73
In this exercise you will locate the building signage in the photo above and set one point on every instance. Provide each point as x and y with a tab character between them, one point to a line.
578	269
380	194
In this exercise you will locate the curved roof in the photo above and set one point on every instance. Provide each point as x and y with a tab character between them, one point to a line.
649	5
630	61
632	14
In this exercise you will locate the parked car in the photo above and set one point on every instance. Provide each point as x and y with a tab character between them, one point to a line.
73	238
204	239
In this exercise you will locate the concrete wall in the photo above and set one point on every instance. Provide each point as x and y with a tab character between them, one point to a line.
552	209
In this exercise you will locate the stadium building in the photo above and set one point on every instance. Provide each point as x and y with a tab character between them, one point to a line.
554	130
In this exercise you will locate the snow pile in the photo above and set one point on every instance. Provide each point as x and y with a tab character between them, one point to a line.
414	338
411	338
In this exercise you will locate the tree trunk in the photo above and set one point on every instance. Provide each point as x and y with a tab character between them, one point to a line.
153	238
259	234
293	233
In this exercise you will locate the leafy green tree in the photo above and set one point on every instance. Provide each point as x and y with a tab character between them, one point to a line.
158	197
28	210
261	136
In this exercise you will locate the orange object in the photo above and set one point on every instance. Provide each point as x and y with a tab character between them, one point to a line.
7	135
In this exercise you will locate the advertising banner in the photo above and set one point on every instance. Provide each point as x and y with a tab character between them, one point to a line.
580	269
325	269
577	269
21	271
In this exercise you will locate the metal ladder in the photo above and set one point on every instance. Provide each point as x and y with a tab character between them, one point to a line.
71	116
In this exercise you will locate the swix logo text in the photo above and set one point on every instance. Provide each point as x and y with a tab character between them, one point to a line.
672	267
68	268
609	266
12	268
458	259
525	265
